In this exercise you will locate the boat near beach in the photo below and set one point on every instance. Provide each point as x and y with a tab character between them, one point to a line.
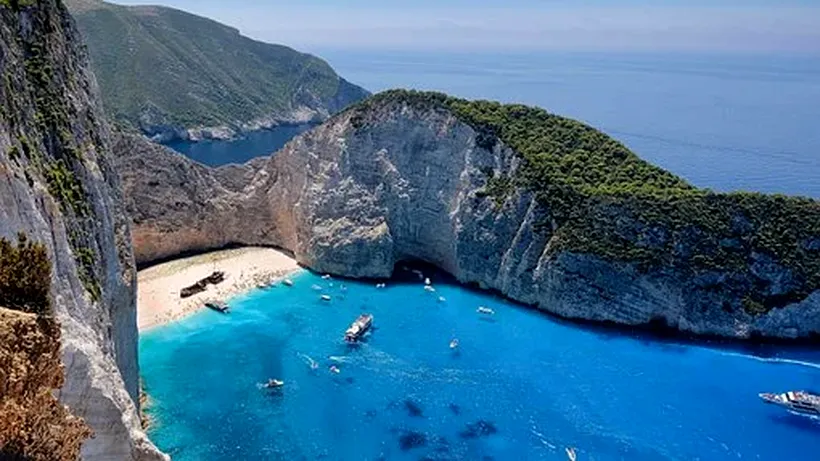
802	402
222	308
325	297
287	282
358	328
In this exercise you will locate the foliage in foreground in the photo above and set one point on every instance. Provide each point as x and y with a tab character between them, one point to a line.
25	276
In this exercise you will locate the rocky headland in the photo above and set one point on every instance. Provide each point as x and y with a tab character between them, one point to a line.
543	209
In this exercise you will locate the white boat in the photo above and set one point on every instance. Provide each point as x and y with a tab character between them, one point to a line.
315	287
326	277
454	344
427	282
801	402
429	288
571	454
485	310
287	282
442	299
325	297
274	384
358	328
334	369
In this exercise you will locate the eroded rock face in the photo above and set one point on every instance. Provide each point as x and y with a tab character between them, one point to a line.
58	187
354	197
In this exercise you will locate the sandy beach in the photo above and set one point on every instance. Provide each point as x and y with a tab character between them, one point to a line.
158	287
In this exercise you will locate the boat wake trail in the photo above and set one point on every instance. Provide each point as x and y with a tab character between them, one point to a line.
774	360
309	361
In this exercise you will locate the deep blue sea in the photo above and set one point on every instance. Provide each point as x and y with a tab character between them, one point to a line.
520	386
727	122
240	150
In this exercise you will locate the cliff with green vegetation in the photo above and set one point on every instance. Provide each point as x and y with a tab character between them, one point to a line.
544	209
605	201
66	264
172	74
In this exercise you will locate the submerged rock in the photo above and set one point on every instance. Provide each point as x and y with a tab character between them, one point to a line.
411	440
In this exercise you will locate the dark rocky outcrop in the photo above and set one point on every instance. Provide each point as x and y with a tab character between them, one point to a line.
402	178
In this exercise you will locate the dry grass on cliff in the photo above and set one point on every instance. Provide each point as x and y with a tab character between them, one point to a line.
33	424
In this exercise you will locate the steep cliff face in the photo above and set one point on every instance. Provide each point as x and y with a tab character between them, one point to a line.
398	180
58	187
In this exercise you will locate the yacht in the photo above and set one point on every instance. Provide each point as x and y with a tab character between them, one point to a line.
358	328
801	402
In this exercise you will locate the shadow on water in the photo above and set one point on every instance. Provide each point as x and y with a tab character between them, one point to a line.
799	422
657	333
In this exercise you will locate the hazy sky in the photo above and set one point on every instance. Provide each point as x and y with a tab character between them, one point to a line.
791	26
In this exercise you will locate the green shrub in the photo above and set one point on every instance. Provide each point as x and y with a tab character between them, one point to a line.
25	276
64	186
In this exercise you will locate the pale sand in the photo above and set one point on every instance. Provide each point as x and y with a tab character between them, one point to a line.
158	287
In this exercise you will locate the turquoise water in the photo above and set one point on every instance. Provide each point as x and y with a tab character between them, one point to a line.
521	385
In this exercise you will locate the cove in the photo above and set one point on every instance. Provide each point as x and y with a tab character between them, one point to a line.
521	385
249	146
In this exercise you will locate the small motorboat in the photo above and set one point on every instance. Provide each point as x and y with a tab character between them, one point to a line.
427	281
219	307
274	384
454	344
316	288
326	277
485	310
429	288
442	299
287	282
334	369
571	454
325	297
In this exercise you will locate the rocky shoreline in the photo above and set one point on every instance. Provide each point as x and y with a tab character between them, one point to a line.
165	134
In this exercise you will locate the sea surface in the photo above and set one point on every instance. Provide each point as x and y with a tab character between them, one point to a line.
726	122
520	386
240	150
